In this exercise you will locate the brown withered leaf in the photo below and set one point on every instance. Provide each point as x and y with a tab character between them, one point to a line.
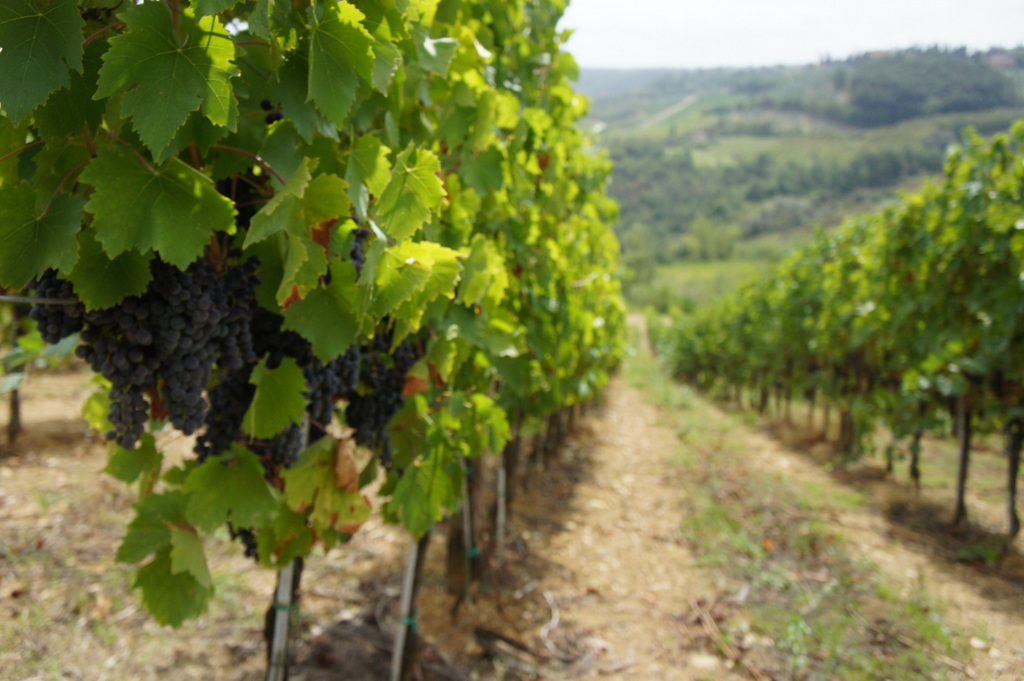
293	297
101	607
320	233
436	375
158	407
415	384
346	470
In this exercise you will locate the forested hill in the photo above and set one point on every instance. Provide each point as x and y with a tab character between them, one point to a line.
713	163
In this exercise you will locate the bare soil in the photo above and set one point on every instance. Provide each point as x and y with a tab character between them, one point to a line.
596	580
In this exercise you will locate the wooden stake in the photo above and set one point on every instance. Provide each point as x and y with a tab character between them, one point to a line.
403	659
281	609
1014	442
963	432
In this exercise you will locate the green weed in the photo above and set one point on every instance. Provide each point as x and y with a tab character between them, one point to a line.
821	609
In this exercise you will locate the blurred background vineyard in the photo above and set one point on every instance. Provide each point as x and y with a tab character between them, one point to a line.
720	172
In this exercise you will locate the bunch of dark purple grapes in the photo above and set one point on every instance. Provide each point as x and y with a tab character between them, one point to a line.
161	345
231	397
380	394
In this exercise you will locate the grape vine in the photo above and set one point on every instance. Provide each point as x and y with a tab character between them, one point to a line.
376	218
910	316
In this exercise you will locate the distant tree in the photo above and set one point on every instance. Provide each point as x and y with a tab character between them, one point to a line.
840	79
638	254
886	90
778	214
712	240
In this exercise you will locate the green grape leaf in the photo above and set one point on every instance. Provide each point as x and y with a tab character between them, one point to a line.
340	53
177	475
485	425
433	269
408	429
30	241
196	130
129	465
423	270
307	211
174	60
57	164
39	41
282	149
484	278
499	335
171	597
368	171
11	138
387	59
412	194
305	262
207	7
330	317
173	209
279	401
434	54
517	373
12	382
269	16
456	125
286	537
150	530
291	89
325	199
96	407
52	118
428	488
101	281
484	172
229	487
302	206
314	482
284	210
188	557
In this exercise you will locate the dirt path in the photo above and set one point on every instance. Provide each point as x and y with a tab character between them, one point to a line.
620	571
668	112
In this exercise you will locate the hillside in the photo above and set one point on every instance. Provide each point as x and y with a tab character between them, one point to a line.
722	163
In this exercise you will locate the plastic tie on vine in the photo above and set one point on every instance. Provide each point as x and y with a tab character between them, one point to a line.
412	622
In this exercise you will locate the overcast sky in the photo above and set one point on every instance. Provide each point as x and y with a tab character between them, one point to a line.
707	33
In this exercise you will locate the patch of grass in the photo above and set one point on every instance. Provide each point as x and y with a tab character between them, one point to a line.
816	495
814	608
987	552
704	282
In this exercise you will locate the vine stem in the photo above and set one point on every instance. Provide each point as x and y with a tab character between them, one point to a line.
60	187
21	149
260	72
468	534
90	144
142	159
256	157
100	32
